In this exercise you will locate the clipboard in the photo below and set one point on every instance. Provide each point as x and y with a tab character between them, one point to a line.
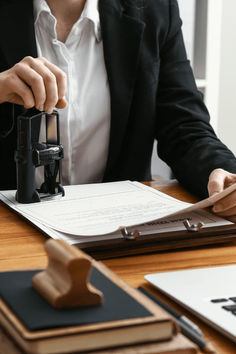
133	244
130	241
136	244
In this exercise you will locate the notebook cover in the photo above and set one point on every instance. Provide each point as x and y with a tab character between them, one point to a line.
177	345
36	314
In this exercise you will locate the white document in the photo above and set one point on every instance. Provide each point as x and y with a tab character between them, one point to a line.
89	212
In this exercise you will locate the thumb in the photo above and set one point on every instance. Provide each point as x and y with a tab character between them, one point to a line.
14	98
216	181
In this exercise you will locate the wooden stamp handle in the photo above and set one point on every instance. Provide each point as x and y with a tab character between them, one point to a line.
64	283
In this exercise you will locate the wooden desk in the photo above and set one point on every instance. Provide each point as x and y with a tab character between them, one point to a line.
21	247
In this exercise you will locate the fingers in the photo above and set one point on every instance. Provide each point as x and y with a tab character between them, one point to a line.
22	93
232	218
34	82
59	75
53	80
226	206
218	180
229	214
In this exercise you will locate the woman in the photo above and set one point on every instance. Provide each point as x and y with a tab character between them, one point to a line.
129	83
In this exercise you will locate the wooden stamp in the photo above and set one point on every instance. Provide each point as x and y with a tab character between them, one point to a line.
64	283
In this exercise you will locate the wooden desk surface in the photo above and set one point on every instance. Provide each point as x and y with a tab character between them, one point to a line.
21	247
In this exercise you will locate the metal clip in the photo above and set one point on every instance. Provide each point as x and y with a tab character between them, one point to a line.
192	227
129	235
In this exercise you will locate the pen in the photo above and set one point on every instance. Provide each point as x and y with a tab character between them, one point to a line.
186	326
181	318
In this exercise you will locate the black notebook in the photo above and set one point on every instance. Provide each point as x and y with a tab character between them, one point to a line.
124	318
37	314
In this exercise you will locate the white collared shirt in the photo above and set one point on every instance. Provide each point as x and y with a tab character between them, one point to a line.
85	122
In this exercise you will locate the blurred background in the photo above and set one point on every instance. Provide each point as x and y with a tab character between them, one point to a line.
209	29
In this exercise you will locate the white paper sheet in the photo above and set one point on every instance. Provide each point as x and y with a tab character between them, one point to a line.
100	209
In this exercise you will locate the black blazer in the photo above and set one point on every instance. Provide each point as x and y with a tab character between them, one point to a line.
153	93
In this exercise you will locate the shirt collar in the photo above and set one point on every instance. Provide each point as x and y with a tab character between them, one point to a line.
90	12
39	7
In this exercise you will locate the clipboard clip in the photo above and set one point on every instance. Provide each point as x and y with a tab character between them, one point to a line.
129	235
192	227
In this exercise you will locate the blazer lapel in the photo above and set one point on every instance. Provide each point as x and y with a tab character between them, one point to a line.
122	37
17	36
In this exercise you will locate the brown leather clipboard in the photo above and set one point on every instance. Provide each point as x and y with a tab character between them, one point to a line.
136	243
141	244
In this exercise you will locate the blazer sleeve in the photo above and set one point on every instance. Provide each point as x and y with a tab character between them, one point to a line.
186	140
6	119
6	109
